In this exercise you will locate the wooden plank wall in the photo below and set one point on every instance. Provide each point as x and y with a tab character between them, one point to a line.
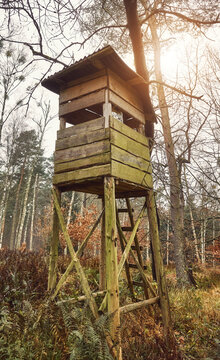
130	156
88	151
124	96
82	152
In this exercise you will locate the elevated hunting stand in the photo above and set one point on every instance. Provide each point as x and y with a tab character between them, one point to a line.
105	152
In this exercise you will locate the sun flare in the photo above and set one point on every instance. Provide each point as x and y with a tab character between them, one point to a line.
170	62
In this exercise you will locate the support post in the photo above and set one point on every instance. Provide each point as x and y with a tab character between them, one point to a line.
52	275
162	289
111	263
102	264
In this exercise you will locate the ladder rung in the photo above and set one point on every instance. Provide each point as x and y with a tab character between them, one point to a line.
126	228
124	210
134	266
137	283
134	248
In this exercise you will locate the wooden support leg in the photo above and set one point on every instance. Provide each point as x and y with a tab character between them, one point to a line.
52	275
162	289
111	263
102	264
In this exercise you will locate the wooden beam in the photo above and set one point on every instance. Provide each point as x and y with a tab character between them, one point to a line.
78	254
160	275
144	277
81	298
79	269
52	274
130	241
102	256
111	263
135	306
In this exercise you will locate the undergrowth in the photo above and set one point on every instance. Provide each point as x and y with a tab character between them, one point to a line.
32	327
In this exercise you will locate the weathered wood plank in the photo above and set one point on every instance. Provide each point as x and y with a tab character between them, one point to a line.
128	173
131	307
130	159
125	106
82	139
84	79
125	91
111	262
80	152
85	127
99	159
160	274
129	145
82	102
126	130
54	244
83	89
80	272
81	174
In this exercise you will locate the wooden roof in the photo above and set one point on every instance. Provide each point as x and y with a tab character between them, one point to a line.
104	58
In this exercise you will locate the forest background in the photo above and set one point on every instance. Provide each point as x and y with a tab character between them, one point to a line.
180	41
175	46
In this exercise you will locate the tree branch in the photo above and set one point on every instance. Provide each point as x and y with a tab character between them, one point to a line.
175	89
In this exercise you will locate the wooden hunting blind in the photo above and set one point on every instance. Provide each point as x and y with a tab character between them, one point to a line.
102	149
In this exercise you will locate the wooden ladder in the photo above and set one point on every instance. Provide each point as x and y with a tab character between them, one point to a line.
136	254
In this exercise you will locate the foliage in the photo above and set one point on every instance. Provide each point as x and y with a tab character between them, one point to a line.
32	327
86	337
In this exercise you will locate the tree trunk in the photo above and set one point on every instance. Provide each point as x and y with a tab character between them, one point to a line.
3	207
167	242
14	216
69	216
24	210
33	212
175	185
139	60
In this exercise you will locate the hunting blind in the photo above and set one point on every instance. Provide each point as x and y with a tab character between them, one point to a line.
102	149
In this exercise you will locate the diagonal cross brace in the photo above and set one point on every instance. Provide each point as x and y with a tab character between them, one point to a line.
78	254
126	252
79	269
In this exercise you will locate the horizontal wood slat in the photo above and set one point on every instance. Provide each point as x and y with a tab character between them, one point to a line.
129	145
130	174
125	106
130	159
82	139
84	162
122	88
82	174
88	126
82	102
79	152
83	89
126	130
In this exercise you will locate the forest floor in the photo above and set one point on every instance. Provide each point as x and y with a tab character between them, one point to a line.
33	327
